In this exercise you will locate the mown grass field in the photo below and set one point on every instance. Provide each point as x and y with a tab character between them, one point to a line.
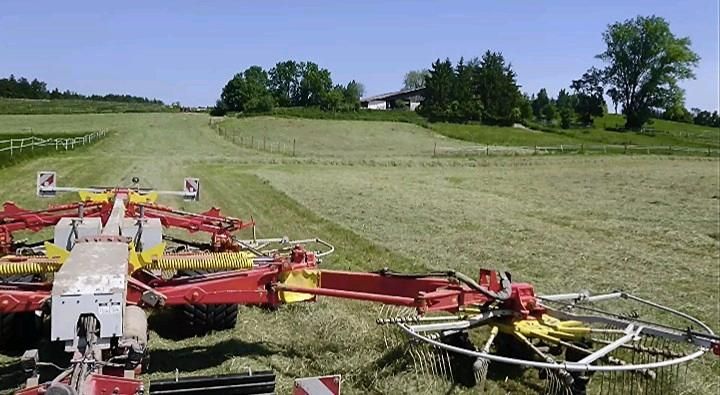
29	106
605	130
659	133
649	224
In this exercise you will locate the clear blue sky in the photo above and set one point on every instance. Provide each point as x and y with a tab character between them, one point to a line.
187	50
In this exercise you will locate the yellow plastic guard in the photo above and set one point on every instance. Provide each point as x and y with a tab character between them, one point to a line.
139	260
547	328
95	197
305	278
56	252
136	197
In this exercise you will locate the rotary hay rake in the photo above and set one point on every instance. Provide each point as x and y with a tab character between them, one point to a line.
110	261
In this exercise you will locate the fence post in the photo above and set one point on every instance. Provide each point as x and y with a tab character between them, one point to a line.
11	147
32	140
487	150
242	142
708	151
561	148
535	152
648	150
56	144
264	140
294	147
435	150
582	148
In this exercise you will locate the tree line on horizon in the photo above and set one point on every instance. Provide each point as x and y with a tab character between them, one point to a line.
287	84
643	63
21	88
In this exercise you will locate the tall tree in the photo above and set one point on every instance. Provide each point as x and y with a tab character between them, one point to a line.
439	86
496	87
550	112
415	79
464	106
352	94
315	83
526	109
564	99
644	61
285	82
541	100
248	91
589	93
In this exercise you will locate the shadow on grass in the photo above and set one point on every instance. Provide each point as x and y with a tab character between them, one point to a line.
12	376
193	358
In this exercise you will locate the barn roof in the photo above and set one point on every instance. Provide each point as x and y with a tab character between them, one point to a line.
395	95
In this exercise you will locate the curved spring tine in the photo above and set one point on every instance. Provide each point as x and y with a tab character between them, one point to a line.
440	361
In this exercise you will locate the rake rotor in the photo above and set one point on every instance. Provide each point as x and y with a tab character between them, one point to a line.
575	342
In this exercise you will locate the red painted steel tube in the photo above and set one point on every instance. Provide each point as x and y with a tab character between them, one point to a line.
18	301
370	297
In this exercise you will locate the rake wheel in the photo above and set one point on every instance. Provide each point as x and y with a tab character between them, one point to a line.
577	343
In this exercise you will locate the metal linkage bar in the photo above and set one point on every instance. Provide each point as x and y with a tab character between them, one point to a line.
15	219
423	293
209	222
631	333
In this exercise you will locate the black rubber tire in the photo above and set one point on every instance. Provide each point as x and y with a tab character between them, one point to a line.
18	330
201	319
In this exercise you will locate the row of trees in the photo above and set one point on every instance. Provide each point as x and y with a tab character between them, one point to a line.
705	118
486	89
582	105
483	89
287	84
643	63
21	88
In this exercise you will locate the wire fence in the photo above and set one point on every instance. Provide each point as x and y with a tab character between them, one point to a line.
286	147
489	150
15	146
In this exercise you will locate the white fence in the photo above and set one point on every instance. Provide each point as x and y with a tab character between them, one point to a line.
488	150
16	146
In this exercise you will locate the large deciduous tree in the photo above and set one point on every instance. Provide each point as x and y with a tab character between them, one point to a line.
285	82
644	63
248	91
315	84
415	79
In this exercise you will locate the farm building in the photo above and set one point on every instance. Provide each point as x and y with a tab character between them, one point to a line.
409	98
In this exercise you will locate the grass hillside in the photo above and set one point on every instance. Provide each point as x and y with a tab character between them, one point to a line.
658	133
605	130
338	139
563	223
27	106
